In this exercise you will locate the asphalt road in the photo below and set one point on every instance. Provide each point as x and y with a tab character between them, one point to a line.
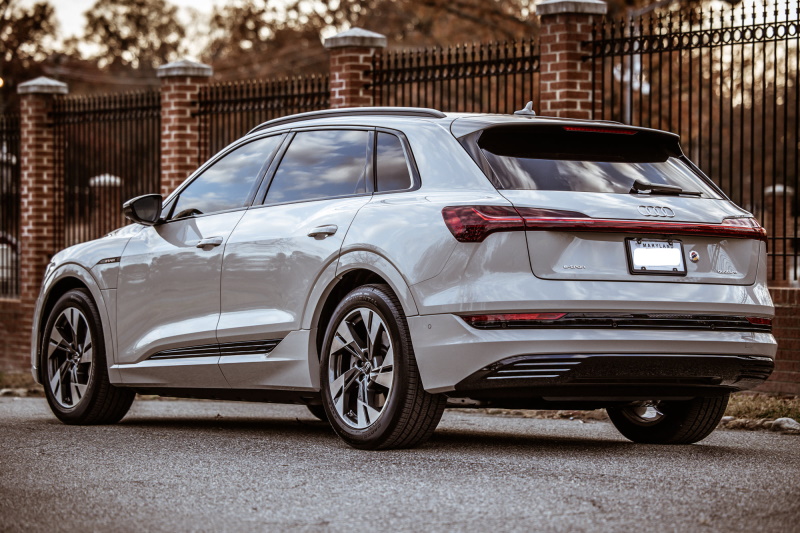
219	466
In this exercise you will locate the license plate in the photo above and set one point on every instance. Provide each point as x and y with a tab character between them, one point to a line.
652	256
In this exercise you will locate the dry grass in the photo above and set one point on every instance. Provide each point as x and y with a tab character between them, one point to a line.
754	406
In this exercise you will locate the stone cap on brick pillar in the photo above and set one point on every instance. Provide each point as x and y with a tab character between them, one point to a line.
356	38
42	85
558	7
185	68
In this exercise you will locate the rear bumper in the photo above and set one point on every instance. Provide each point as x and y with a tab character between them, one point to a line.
620	376
453	356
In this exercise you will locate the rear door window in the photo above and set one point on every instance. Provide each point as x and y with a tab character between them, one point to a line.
581	159
321	164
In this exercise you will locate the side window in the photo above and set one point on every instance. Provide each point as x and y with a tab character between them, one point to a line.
391	168
321	164
227	183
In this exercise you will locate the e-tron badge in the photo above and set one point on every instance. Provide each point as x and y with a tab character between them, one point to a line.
694	257
656	211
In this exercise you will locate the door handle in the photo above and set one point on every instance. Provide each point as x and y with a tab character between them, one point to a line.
209	241
323	231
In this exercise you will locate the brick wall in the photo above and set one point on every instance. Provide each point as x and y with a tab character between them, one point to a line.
179	130
351	55
786	328
181	82
566	83
13	349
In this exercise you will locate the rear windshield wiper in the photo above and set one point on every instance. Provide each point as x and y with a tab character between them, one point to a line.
644	187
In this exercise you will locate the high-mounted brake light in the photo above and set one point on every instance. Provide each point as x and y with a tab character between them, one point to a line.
600	130
475	223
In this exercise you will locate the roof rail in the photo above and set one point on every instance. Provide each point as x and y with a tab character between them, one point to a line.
421	112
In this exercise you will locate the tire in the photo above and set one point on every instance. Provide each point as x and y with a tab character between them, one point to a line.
371	387
666	422
318	411
73	363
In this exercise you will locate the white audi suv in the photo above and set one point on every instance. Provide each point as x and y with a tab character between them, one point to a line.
380	264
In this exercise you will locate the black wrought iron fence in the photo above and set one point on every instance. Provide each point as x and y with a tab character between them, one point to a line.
229	110
9	205
107	150
487	77
727	82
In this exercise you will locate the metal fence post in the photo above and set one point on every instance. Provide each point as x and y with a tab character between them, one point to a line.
566	79
37	185
351	60
180	140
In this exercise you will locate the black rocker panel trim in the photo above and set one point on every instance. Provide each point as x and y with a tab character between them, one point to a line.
217	350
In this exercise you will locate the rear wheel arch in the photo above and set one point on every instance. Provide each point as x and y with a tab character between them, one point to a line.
339	289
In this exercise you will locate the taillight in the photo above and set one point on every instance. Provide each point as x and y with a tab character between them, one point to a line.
759	320
474	223
505	319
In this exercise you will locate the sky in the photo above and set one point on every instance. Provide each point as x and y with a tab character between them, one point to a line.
71	20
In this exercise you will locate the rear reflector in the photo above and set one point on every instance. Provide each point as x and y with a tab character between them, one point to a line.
475	223
505	318
759	320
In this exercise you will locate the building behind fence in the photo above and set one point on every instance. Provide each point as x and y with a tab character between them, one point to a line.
726	81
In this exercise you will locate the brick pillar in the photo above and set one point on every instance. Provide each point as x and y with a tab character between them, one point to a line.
351	60
37	184
180	89
566	80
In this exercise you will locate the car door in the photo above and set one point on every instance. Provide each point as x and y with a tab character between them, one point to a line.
168	295
277	252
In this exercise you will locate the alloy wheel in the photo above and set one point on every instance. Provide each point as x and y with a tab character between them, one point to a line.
361	368
69	357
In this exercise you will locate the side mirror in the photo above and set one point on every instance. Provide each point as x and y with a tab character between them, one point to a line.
143	209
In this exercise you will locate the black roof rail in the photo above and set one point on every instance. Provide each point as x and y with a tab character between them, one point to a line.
421	112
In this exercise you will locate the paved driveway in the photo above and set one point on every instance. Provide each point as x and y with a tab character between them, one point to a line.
214	466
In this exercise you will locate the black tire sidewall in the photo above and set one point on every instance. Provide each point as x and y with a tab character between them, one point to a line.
373	298
81	300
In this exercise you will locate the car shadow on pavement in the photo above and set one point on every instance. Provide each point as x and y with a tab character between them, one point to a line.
455	440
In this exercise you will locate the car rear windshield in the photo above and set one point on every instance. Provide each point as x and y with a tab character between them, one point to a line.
586	159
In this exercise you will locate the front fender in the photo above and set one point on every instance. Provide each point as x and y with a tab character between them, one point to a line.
104	299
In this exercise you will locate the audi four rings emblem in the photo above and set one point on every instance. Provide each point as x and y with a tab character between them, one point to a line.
656	211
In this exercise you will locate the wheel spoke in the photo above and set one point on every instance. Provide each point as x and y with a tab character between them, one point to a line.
366	413
78	390
71	315
56	380
345	339
384	378
343	382
56	341
86	356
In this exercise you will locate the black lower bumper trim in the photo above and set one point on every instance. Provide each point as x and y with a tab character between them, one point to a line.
612	374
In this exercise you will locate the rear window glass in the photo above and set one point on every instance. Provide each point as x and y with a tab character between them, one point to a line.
553	159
